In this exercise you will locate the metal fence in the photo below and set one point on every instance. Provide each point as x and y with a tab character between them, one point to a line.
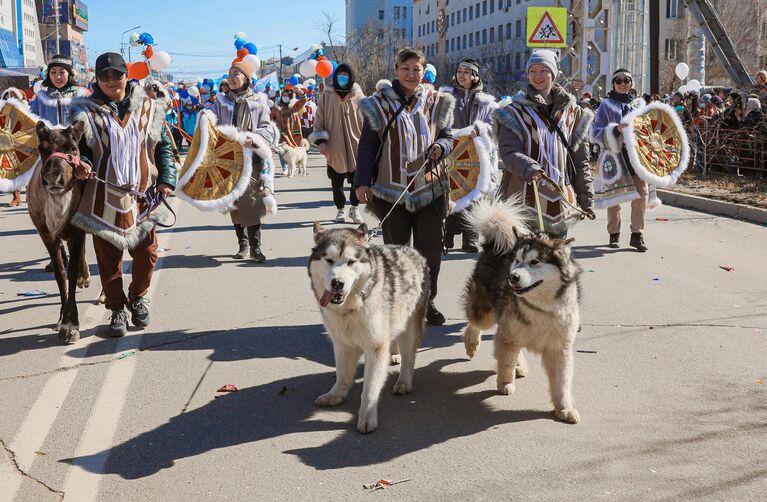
728	150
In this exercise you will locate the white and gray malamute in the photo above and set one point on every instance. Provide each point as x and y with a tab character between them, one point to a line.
369	296
528	285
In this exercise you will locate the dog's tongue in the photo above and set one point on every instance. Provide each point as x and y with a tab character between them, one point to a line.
326	297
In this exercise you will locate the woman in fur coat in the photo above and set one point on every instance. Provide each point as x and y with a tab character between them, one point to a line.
473	108
287	115
247	111
607	132
530	145
420	133
337	129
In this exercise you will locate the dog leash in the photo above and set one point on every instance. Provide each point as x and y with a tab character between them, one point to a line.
562	196
152	198
375	231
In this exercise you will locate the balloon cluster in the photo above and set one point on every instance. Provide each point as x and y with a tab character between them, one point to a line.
682	71
318	64
156	61
430	75
246	51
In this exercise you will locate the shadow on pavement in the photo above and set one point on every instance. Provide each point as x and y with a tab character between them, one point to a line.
434	413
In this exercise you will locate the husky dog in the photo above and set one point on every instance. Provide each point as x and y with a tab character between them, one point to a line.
295	157
528	285
369	296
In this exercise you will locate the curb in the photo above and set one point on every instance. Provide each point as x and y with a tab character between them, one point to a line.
729	209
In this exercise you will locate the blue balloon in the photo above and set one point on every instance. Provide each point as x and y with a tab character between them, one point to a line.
310	87
429	77
183	94
145	39
251	48
239	43
335	67
293	80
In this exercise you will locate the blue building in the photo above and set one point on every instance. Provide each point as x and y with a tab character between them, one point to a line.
391	19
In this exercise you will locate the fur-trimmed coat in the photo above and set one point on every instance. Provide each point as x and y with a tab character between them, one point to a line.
288	120
429	107
338	123
472	108
258	201
52	104
527	144
127	144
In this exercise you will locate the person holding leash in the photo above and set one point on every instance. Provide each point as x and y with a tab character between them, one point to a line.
287	115
542	134
337	129
607	132
406	132
125	141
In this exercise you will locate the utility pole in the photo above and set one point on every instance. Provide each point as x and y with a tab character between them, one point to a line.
58	26
279	77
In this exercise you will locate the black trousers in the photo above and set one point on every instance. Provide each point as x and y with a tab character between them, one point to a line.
337	183
425	226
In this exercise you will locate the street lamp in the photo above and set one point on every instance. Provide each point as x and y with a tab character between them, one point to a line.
122	44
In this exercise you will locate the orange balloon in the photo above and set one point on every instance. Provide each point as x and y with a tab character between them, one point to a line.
236	60
242	53
148	52
324	68
138	71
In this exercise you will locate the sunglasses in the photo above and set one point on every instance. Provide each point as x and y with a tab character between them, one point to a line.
622	81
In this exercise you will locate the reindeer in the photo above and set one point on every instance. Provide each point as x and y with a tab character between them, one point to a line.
53	195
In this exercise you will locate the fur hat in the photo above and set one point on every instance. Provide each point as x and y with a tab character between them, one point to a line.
547	58
244	68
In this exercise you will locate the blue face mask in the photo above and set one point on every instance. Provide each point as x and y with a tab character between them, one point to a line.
343	80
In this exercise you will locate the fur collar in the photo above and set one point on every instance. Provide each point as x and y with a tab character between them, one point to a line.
479	96
384	89
72	92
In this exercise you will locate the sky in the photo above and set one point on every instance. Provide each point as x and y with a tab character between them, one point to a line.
199	35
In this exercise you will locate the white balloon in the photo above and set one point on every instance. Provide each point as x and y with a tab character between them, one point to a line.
682	70
307	68
193	91
310	81
682	89
270	103
159	60
134	39
253	61
694	85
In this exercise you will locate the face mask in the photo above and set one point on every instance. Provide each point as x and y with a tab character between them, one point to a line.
286	99
343	80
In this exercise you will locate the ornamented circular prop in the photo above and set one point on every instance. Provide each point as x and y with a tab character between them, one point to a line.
469	169
657	144
18	147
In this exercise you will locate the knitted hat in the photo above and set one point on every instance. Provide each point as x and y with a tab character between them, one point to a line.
621	73
244	68
62	61
547	58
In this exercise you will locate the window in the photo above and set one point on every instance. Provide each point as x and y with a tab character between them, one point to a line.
380	33
464	41
476	37
492	35
471	13
517	61
672	49
508	62
518	30
433	26
396	12
500	4
404	32
674	9
492	6
380	15
508	31
464	15
471	40
484	36
476	10
452	18
419	30
404	12
484	8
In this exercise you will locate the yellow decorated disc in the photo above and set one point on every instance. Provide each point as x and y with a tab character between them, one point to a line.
18	142
463	168
220	169
658	142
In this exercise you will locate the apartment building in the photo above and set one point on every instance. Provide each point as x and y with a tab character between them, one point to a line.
19	35
390	19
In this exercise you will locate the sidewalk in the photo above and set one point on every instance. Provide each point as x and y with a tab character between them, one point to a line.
713	206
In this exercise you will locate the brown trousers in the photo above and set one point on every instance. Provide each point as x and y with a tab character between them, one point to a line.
638	207
110	262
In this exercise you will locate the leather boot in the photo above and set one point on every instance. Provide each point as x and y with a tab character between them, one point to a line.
615	241
637	241
242	240
470	241
254	237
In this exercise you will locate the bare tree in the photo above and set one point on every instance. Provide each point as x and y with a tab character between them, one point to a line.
327	25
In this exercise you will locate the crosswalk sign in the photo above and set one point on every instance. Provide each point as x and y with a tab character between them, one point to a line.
547	27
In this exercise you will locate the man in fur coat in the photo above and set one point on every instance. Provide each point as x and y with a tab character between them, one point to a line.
125	141
545	131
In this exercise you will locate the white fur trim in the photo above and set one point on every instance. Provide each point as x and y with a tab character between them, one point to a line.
382	84
613	143
487	164
631	139
317	135
616	200
653	201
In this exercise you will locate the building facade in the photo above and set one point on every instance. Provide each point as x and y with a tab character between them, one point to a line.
73	23
389	19
20	45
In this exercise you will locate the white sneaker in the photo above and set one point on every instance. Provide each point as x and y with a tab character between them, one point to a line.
354	214
341	216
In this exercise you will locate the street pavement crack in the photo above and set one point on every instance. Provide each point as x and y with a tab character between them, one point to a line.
674	325
12	457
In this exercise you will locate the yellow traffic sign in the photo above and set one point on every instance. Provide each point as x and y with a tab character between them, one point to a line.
547	27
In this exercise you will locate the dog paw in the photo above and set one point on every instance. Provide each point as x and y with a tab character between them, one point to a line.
471	347
569	415
402	388
69	334
521	371
396	359
506	388
329	400
367	422
83	282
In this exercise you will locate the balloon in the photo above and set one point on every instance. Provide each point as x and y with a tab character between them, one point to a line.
251	48
145	39
682	70
253	62
134	40
148	52
270	103
310	88
272	93
308	68
240	34
239	43
242	53
335	65
311	82
159	61
293	80
324	68
194	92
683	89
138	70
694	85
236	60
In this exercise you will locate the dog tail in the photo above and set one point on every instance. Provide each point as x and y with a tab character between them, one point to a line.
500	223
305	144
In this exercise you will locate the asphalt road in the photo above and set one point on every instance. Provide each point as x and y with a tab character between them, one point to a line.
669	378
